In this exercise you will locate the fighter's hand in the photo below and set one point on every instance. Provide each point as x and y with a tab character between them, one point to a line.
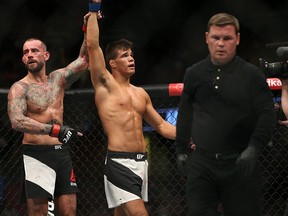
85	18
247	160
181	161
98	10
192	145
284	123
65	134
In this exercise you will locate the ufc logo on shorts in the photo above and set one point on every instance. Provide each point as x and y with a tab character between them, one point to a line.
139	156
58	147
68	136
51	208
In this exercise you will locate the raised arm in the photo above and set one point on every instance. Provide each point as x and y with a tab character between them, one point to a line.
76	69
99	73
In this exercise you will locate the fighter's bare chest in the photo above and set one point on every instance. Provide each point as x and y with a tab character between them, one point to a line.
41	96
130	101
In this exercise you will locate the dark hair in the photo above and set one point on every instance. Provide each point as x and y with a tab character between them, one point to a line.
223	19
113	47
33	38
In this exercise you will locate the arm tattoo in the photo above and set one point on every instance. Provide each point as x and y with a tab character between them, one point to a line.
18	109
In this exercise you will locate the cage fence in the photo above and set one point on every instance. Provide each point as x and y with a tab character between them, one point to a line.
166	185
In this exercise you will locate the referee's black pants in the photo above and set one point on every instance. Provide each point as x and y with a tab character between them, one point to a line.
211	181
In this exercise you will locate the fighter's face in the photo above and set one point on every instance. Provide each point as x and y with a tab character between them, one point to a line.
124	62
34	55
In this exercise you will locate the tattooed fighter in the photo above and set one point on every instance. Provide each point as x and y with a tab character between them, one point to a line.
35	107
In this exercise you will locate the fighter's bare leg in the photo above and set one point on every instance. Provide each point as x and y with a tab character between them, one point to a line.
66	205
132	208
37	207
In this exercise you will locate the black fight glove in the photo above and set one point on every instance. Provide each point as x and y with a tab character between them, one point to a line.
65	134
247	160
181	161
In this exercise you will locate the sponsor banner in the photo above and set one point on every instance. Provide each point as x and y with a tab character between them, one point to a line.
274	83
175	89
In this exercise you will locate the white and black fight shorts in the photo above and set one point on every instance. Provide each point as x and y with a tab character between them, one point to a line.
47	171
125	177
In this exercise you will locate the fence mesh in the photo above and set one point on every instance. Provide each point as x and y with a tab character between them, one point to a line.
166	185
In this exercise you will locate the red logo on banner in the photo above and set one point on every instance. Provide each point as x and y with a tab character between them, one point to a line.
274	83
175	89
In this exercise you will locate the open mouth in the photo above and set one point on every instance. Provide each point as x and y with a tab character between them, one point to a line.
31	62
131	66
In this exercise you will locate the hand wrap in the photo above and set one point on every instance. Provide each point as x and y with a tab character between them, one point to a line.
65	134
94	6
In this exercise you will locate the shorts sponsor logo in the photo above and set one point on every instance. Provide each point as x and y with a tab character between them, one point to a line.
73	184
73	179
68	136
51	208
139	156
58	147
72	176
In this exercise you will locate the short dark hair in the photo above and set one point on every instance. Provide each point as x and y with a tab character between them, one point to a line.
34	38
223	19
113	47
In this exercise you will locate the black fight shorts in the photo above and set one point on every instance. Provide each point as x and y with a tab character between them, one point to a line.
47	172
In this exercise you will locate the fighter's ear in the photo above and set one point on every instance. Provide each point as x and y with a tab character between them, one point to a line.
46	55
112	63
238	38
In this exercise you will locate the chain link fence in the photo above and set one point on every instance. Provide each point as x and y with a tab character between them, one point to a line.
166	185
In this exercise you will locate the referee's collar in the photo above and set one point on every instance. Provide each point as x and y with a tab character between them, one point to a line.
232	65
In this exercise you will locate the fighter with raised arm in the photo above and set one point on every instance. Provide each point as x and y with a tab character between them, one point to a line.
35	107
122	108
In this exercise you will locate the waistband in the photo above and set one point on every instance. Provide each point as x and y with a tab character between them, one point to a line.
218	156
39	148
138	156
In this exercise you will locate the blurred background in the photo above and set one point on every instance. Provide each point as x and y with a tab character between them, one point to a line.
168	35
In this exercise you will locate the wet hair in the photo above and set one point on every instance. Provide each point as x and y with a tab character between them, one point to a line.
113	47
223	19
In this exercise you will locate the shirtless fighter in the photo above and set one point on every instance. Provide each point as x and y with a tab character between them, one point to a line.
122	108
35	107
